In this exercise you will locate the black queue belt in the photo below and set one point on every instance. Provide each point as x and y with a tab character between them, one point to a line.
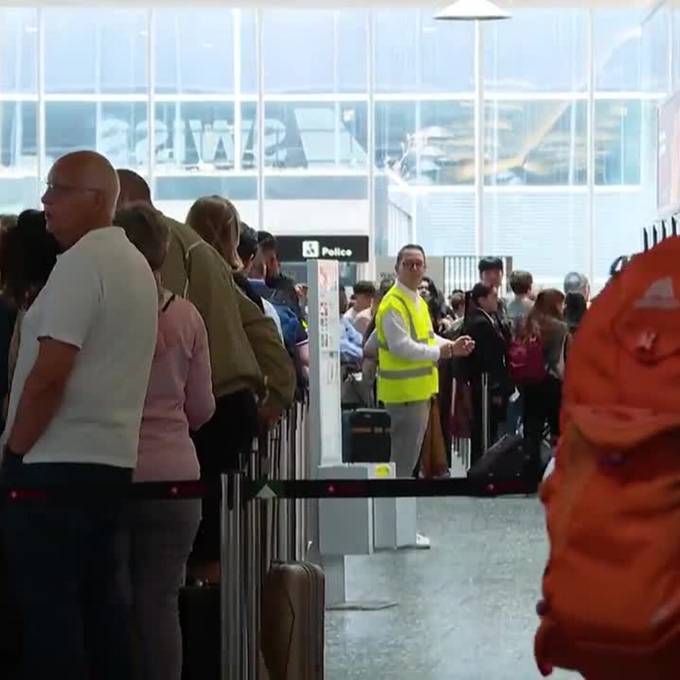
389	488
180	490
266	489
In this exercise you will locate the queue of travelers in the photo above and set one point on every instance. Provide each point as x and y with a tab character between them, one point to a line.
134	352
157	350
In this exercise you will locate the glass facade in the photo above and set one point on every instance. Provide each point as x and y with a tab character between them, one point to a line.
358	120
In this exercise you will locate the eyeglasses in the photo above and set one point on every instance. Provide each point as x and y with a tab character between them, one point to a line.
56	189
413	264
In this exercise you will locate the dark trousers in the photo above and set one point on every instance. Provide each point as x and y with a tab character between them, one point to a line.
542	404
65	572
222	444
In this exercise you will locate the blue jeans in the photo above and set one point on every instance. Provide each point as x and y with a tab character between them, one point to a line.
64	568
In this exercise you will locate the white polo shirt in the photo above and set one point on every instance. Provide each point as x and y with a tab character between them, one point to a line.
102	298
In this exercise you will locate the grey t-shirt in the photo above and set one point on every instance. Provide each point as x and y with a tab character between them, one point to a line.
517	311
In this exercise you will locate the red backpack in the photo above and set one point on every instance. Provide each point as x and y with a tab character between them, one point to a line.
611	589
527	362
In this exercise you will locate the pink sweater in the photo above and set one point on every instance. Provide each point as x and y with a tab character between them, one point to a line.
179	397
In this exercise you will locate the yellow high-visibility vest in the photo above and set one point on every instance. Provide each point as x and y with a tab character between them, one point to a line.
401	381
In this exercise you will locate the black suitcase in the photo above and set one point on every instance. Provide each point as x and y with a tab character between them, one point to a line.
505	461
366	436
199	612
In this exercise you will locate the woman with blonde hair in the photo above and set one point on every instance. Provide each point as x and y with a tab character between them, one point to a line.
542	400
217	221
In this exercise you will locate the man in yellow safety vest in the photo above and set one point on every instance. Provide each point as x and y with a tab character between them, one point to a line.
408	352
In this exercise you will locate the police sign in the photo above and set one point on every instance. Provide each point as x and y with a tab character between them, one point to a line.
342	248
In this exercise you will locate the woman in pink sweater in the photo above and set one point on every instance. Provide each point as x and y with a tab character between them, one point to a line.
179	399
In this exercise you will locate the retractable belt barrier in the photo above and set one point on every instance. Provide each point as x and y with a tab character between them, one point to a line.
274	488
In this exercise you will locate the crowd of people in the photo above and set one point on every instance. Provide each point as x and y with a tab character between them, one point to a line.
158	350
493	326
152	350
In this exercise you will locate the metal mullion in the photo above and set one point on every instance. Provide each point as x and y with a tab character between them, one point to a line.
236	13
590	152
40	119
151	98
370	129
479	139
261	115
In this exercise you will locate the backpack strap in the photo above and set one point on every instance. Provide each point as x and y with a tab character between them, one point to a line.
170	300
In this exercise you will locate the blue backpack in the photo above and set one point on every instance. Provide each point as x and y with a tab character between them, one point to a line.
290	324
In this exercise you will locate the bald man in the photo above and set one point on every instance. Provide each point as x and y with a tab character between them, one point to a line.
87	344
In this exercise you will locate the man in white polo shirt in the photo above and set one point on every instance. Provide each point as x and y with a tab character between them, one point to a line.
76	402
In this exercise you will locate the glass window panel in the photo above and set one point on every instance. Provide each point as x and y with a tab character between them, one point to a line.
416	53
618	220
618	136
656	52
315	51
102	50
248	51
249	147
307	135
544	231
123	134
119	130
444	222
18	50
18	144
537	51
617	43
426	142
194	136
174	194
194	51
69	126
536	142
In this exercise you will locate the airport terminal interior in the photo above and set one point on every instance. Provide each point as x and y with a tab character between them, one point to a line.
543	135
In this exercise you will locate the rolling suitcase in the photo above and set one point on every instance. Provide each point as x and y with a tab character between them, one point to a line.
503	462
366	436
293	610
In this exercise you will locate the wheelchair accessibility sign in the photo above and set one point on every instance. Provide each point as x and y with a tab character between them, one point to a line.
310	250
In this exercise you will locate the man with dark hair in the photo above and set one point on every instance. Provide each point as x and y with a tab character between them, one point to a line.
360	314
408	353
247	251
274	285
519	307
491	272
260	248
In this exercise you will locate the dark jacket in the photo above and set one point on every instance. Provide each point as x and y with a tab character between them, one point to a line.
490	354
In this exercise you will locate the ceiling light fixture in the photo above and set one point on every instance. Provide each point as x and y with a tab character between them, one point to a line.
472	10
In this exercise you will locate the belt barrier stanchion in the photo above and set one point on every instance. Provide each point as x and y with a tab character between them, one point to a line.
231	590
485	413
253	573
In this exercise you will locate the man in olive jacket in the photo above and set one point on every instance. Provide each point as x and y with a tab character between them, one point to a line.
245	349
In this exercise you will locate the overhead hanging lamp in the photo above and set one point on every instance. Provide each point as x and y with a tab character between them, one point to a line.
472	10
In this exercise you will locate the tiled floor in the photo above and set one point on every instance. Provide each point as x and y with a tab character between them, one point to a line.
466	607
